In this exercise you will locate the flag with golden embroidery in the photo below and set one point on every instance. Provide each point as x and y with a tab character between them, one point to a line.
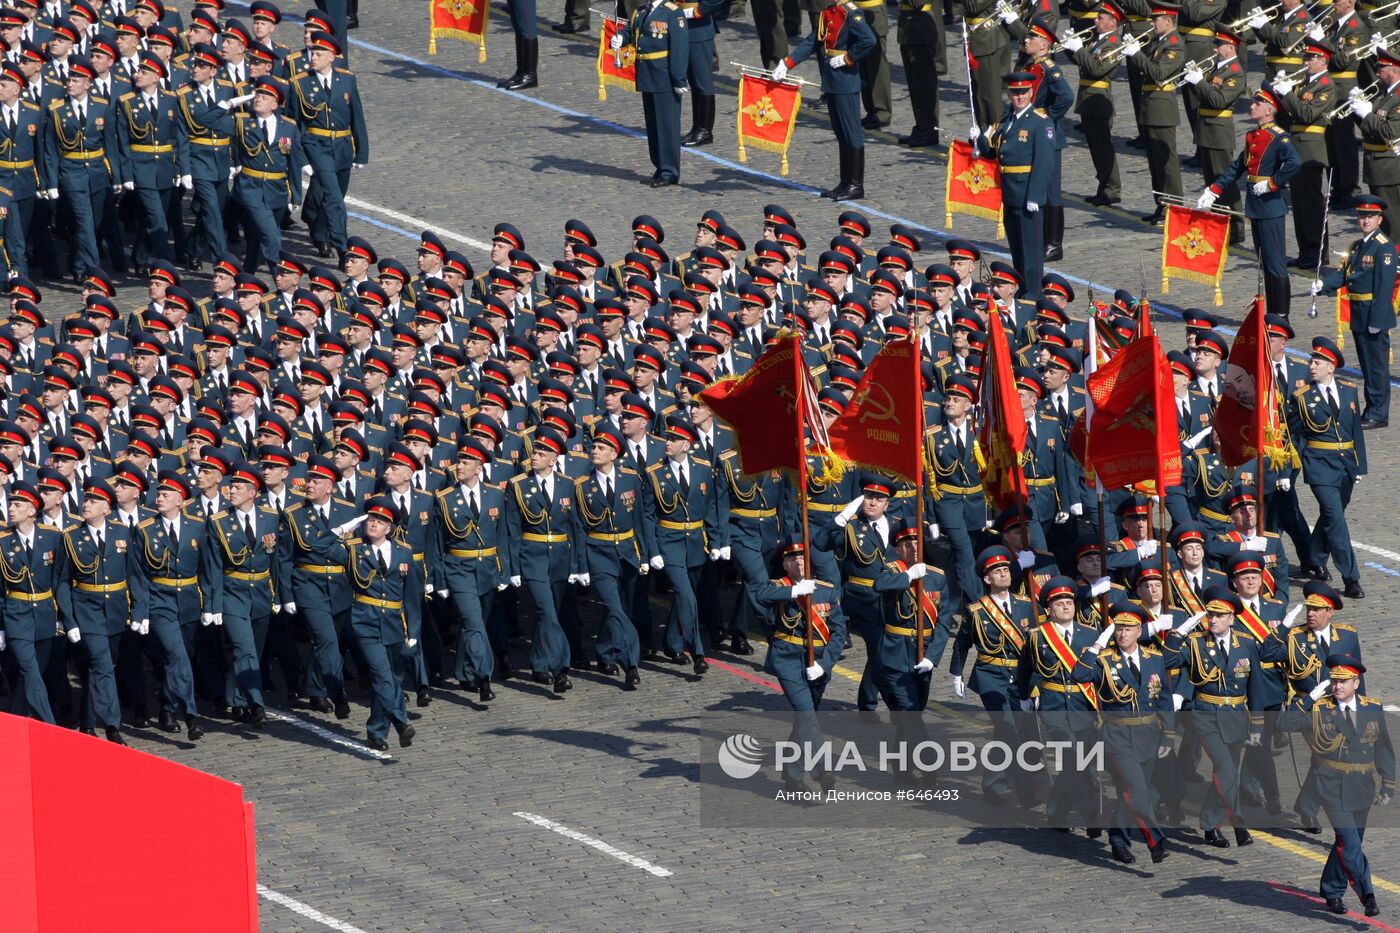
767	115
1194	246
458	19
972	186
617	67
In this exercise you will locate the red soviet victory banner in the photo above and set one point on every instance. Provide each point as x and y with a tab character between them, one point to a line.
1194	246
881	426
972	187
762	406
1001	437
1133	435
458	19
617	67
767	115
1247	416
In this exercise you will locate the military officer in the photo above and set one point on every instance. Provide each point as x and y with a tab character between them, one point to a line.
959	502
1380	128
386	615
906	666
1097	62
1369	274
1217	89
1305	113
151	139
846	40
700	69
1054	98
1024	144
21	128
920	36
755	530
33	560
657	30
270	155
325	104
527	46
617	548
1266	163
1159	115
1351	747
989	46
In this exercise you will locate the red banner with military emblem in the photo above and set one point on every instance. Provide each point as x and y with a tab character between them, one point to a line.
972	186
880	427
1194	246
1132	436
1247	415
458	19
768	408
617	67
767	114
1002	437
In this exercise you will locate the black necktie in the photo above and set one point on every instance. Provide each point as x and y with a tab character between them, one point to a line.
475	506
609	489
248	528
28	550
10	120
173	535
1224	652
1060	408
1133	665
1332	401
684	482
379	559
960	444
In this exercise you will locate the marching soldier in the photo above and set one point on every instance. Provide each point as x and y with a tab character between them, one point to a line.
1351	747
906	676
1024	143
1369	274
152	142
959	502
1216	91
1158	113
1097	61
846	41
1305	111
1266	163
269	154
658	33
207	103
21	126
33	560
1380	128
386	615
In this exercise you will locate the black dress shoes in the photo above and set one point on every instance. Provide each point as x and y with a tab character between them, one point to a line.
633	678
606	668
379	745
114	735
342	708
406	734
484	693
541	677
1335	905
562	683
1369	902
168	722
1216	838
257	716
739	644
425	698
701	666
1242	837
503	669
665	181
1159	852
1353	590
193	729
1123	854
321	704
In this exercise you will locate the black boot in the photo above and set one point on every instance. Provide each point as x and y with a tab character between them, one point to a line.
854	189
845	156
1054	232
519	64
530	58
702	131
1278	294
352	15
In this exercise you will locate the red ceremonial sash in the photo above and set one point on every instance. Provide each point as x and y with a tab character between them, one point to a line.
1008	626
820	630
930	610
1067	658
1257	626
1185	595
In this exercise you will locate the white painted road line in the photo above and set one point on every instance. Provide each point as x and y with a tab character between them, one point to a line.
415	222
321	732
1378	551
305	910
598	844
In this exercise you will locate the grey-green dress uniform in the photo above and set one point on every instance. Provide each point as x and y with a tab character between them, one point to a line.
1159	116
1347	36
991	49
919	32
1196	22
1215	127
875	67
1095	108
1305	114
1380	166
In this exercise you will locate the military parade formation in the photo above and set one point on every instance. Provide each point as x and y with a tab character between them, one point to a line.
360	479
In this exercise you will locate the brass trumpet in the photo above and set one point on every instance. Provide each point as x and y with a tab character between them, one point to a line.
1243	20
1084	35
994	19
1370	92
1200	64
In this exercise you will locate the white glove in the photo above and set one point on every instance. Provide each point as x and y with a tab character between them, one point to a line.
573	578
116	189
1190	623
1256	543
1283	483
128	186
1316	287
428	590
1131	46
412	643
851	508
515	581
1101	586
658	562
1317	693
1007	15
1157	626
277	608
616	43
1025	706
206	618
1294	617
356	166
1026	559
1032	207
53	194
959	691
1147	549
1193	76
218	618
1102	641
1204	202
1283	86
585	579
1077	509
691	12
725	553
815	672
290	608
1362	108
1196	439
1071	43
233	172
501	587
933	531
989	523
2	641
1316	33
714	554
1373	330
308	171
1257	20
443	593
1260	187
1061	517
917	571
347	527
187	182
74	635
680	91
143	627
1177	700
780	71
804	588
924	666
236	102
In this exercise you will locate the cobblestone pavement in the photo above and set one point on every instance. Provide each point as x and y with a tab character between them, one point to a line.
433	837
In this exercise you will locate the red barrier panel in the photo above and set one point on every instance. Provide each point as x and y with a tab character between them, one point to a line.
101	837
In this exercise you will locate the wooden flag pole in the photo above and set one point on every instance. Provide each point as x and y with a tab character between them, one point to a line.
919	498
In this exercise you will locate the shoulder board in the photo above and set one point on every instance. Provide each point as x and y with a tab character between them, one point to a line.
147	523
127	96
1344	626
295	506
341	501
41	525
670	6
520	477
1370	701
100	100
1382	238
30	105
72	528
627	471
199	519
185	89
343	71
580	480
267	510
6	534
1149	651
219	515
1040	112
223	82
729	454
700	461
656	466
54	105
1298	392
1018	600
1270	601
353	542
1271	534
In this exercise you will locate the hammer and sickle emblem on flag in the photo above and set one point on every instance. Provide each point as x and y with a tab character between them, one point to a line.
763	112
789	398
1137	416
875	404
1193	243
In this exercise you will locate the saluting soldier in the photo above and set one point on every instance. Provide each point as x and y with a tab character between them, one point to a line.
1351	746
1097	61
33	560
845	40
1369	274
1159	116
386	616
1305	114
657	31
1216	90
1266	163
1024	144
